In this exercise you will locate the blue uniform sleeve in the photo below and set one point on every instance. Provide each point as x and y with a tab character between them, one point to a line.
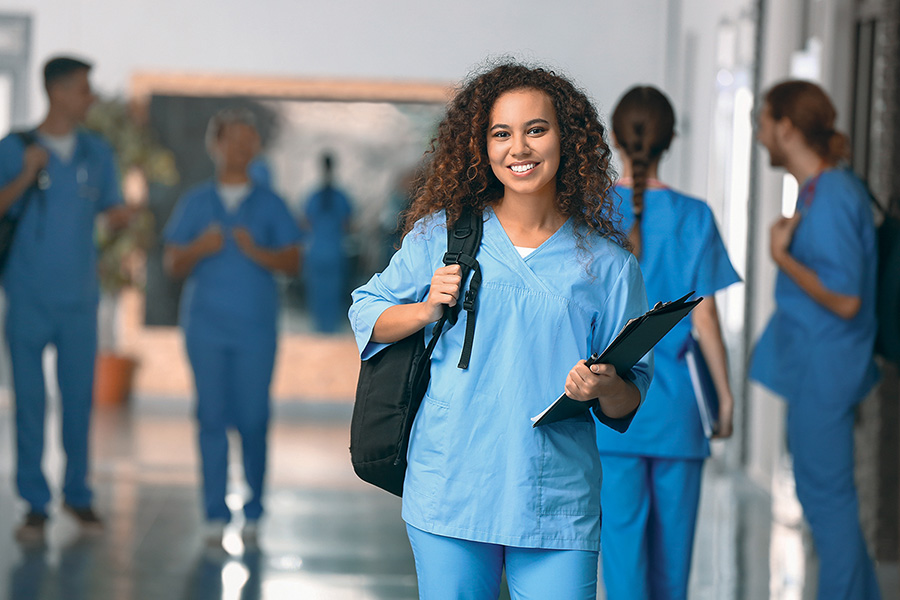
11	152
835	225
183	226
111	189
405	280
714	270
627	300
284	230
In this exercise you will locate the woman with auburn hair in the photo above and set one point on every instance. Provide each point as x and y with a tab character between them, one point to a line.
484	490
816	351
652	473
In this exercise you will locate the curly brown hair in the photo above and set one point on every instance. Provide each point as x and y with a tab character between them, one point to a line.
458	172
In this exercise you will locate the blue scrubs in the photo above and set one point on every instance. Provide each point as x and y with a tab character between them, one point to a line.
477	469
52	293
229	310
325	261
652	473
822	366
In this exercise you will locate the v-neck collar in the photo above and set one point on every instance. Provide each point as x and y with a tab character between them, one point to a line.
511	248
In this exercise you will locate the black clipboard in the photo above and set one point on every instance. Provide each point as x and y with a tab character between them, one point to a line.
635	340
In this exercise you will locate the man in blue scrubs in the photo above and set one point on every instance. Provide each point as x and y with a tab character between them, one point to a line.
816	351
56	187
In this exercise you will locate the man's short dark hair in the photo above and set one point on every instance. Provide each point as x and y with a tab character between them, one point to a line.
61	67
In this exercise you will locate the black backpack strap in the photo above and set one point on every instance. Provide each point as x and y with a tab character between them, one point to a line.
463	241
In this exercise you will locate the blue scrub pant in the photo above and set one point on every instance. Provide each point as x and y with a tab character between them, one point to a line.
325	292
820	438
30	327
649	516
454	569
232	383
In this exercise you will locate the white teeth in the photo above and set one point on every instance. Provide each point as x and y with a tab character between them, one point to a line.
522	168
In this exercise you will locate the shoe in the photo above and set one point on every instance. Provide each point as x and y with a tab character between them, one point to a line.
32	528
85	516
213	532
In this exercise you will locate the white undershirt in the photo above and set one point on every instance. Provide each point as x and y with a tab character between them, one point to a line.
232	194
61	145
523	251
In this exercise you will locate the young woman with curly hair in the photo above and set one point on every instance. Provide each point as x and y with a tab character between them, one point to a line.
484	490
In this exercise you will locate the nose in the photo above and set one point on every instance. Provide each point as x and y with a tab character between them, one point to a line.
520	145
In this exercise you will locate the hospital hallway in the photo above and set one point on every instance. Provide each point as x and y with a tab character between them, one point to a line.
325	534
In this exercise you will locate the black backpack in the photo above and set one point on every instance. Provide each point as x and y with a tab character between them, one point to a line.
393	382
887	306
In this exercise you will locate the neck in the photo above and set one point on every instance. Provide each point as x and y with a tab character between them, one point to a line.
804	163
57	124
529	211
232	177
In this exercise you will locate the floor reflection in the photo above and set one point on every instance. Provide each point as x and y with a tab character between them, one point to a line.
326	535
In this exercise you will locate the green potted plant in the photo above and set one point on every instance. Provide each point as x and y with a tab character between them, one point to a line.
121	248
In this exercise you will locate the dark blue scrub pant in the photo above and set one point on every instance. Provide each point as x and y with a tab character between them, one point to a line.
649	517
30	327
820	438
232	383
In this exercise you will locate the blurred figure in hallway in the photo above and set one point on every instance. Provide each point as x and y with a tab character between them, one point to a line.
55	180
816	351
652	472
229	237
327	218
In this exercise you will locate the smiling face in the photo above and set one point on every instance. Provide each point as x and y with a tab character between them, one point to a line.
523	143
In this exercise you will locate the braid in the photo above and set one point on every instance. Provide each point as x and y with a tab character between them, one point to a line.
644	125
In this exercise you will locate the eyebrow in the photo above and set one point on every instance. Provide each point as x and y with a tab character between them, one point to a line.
528	124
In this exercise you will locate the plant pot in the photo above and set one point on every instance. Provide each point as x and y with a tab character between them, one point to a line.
113	375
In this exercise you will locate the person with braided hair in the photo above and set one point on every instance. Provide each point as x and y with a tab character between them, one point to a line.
652	473
484	490
816	351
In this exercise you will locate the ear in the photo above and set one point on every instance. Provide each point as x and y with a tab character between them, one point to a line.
785	130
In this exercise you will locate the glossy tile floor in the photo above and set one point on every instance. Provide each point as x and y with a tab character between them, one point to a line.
325	535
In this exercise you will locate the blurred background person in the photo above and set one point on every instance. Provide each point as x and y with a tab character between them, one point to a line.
652	472
816	351
326	217
55	186
229	237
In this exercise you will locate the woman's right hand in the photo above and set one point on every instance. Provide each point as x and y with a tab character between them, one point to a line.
444	290
210	241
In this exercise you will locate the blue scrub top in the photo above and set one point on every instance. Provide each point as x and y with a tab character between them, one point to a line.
228	298
682	251
327	212
53	257
477	469
806	351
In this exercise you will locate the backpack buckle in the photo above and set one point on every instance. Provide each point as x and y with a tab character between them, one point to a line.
469	301
452	258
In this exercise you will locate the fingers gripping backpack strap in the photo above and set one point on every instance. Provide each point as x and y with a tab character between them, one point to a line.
463	241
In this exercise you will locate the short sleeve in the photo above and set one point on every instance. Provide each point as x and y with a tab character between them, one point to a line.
714	270
284	230
182	227
837	250
405	280
11	151
111	191
627	300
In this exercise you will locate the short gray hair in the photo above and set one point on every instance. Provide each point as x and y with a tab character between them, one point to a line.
224	118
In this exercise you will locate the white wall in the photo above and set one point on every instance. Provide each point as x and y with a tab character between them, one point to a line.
605	45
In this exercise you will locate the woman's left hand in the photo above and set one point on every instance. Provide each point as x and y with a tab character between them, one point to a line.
586	383
780	236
